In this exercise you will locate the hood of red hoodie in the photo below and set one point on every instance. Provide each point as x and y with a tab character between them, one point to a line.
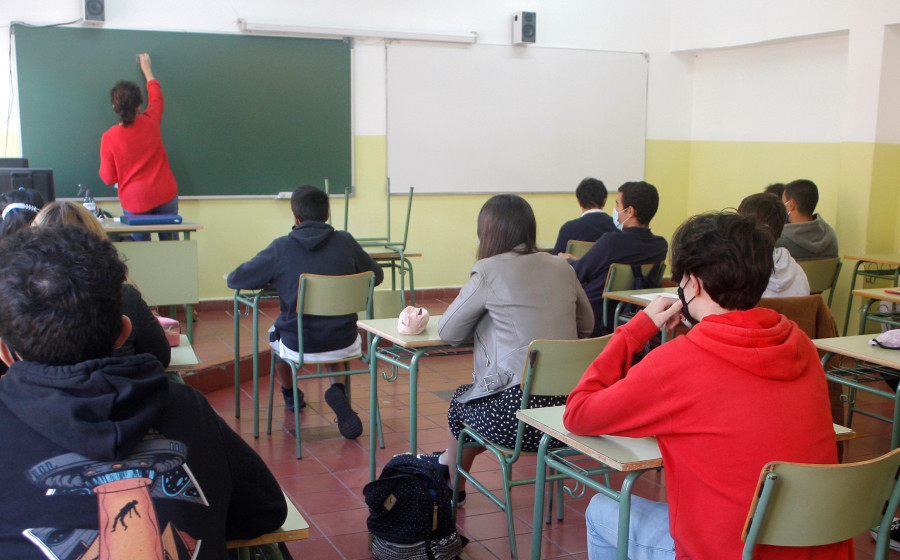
758	341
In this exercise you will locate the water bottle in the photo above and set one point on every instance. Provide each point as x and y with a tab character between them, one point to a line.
88	201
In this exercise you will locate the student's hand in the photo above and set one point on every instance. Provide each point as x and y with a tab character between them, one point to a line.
144	60
664	311
567	256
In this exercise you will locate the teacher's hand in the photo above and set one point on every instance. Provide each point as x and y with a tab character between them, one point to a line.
144	60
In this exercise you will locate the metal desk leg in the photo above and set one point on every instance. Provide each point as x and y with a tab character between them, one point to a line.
256	367
373	399
237	357
850	297
414	399
189	317
540	481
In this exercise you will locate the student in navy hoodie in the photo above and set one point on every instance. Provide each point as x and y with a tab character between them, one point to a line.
312	247
102	456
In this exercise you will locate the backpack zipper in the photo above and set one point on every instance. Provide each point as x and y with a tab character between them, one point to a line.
434	519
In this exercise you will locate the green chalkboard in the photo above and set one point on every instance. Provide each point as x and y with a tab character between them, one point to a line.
243	115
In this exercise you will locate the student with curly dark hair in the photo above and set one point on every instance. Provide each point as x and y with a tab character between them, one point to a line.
132	152
713	398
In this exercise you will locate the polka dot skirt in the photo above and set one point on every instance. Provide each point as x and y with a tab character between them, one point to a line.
494	416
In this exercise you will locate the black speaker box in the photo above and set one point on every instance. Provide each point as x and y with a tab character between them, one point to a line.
524	28
94	11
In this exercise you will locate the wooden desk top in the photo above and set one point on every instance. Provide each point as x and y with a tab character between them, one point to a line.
892	259
295	528
878	293
620	453
183	356
387	329
119	227
633	296
386	254
858	347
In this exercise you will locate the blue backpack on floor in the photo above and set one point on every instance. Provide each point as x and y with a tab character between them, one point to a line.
410	513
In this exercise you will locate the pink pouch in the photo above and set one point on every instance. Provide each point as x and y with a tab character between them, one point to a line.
172	328
412	320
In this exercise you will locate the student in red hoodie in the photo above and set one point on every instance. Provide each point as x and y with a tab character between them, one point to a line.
132	152
742	388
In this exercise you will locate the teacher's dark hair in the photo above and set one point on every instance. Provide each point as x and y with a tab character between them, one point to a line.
60	294
126	99
505	222
731	253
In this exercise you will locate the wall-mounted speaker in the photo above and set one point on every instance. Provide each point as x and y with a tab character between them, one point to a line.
94	11
524	28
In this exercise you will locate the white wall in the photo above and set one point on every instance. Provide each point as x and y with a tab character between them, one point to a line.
783	92
640	25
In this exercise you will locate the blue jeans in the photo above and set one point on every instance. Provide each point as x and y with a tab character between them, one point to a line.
170	207
648	530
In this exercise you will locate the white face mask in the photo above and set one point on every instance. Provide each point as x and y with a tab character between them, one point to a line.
616	221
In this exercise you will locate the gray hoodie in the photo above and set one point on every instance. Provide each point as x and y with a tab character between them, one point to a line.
809	240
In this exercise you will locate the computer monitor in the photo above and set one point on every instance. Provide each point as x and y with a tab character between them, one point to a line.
13	162
35	178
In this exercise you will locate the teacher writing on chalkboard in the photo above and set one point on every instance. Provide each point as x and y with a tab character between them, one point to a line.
132	152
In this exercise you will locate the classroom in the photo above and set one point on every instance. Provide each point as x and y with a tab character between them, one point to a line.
740	94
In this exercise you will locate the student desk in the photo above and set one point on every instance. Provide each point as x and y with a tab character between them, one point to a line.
639	298
395	258
885	266
183	360
295	528
873	361
633	456
165	272
875	295
405	353
250	298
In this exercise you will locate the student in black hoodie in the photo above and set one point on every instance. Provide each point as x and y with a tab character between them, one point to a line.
102	456
312	247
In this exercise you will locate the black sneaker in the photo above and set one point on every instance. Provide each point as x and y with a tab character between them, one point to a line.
289	399
348	420
895	534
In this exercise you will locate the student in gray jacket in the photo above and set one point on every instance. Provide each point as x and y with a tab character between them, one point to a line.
514	295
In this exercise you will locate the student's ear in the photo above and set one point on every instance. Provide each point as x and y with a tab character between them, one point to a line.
126	330
697	284
6	355
296	221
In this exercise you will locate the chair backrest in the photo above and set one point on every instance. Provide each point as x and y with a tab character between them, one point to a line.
800	504
578	248
554	367
822	275
621	277
335	295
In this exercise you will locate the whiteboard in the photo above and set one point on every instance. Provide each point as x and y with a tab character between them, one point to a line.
499	118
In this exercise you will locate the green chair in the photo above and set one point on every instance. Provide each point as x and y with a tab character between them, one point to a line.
554	367
800	504
822	275
578	248
621	278
325	296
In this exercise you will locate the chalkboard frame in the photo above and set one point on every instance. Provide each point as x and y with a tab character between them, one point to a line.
244	115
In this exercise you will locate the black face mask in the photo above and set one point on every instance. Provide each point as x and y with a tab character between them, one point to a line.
684	307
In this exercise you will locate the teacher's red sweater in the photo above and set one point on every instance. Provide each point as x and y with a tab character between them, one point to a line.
134	157
739	390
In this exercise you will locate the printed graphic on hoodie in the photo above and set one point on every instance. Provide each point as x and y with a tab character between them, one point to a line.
126	491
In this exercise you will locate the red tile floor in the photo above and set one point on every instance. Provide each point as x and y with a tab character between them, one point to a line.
327	483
